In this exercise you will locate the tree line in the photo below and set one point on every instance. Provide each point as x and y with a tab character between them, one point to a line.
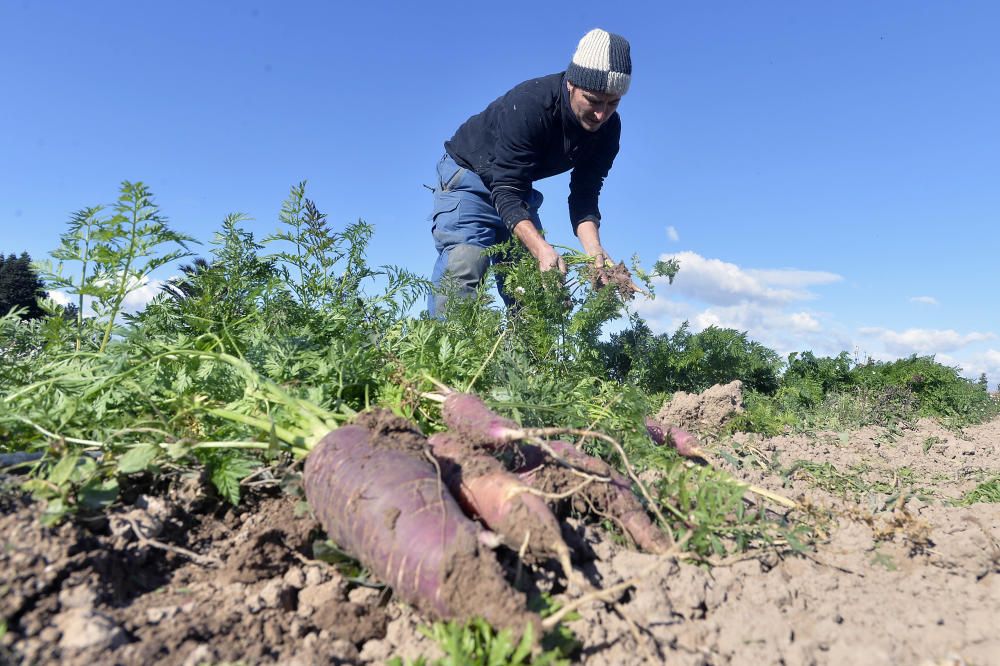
20	286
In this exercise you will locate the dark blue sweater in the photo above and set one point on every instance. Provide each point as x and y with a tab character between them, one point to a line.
531	133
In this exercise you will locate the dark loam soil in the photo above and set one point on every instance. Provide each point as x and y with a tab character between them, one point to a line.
902	577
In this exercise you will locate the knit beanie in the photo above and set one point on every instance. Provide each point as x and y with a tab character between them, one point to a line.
601	63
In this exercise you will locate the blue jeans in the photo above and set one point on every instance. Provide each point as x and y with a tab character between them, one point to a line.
464	223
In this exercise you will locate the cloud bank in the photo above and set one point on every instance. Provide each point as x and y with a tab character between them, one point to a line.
778	308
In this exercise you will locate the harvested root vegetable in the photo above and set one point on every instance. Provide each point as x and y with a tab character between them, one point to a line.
467	415
684	442
613	499
381	500
504	503
687	445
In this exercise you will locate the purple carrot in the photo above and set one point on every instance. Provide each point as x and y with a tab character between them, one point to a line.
504	503
387	508
614	498
684	442
467	415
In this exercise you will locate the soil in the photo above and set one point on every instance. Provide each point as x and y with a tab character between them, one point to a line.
617	276
902	575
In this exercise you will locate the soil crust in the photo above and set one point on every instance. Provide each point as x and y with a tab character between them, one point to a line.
903	575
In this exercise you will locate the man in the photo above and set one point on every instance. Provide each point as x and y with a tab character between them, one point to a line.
540	128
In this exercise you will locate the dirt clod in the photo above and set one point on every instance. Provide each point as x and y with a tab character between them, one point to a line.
904	574
703	413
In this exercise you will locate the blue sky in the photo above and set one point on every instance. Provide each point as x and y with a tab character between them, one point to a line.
827	173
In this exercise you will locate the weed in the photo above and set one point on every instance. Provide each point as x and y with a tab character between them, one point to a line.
930	442
860	483
476	644
883	560
707	507
988	491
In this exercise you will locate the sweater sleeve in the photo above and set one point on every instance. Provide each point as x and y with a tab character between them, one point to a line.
587	178
521	128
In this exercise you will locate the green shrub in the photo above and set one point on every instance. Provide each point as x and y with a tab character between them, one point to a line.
688	361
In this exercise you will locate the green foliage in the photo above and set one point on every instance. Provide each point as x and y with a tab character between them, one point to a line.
834	394
453	350
879	487
237	297
706	506
70	482
762	414
233	363
988	491
327	271
556	321
21	343
226	473
476	643
939	390
667	269
808	379
686	361
262	347
116	255
20	287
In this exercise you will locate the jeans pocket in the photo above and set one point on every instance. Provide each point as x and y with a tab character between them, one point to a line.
449	174
455	179
443	206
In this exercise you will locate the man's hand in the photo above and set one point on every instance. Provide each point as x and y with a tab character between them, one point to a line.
548	259
599	275
604	270
600	257
590	239
539	248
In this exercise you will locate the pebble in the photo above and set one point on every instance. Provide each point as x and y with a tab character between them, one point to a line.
80	596
85	628
156	615
314	576
270	596
295	578
364	595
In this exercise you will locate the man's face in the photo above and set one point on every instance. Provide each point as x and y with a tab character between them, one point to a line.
592	109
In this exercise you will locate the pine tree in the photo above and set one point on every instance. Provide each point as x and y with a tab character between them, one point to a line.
20	286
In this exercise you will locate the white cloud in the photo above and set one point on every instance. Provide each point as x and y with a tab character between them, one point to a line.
672	234
790	277
772	326
987	362
803	321
976	364
140	294
768	304
722	283
992	357
924	341
60	298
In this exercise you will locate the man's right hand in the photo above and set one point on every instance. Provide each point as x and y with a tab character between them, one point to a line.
548	259
539	248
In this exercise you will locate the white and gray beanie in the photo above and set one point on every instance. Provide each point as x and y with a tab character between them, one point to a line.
602	63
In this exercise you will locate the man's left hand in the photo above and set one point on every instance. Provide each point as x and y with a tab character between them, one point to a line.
601	258
601	262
